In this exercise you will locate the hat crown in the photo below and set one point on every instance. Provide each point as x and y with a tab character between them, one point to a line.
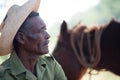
16	15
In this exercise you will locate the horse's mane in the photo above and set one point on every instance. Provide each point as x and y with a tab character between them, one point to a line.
92	36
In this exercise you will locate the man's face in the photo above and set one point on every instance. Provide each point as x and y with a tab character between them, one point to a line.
37	38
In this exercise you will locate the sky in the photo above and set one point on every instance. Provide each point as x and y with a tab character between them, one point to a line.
54	10
58	10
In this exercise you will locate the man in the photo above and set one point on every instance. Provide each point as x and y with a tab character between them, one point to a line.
29	59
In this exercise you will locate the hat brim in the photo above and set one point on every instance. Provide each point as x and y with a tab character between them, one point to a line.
16	15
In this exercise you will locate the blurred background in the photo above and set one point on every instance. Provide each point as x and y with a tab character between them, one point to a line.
89	12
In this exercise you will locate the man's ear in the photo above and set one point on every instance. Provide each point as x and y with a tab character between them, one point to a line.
20	37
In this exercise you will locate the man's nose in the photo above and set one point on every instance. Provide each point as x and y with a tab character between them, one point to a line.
47	35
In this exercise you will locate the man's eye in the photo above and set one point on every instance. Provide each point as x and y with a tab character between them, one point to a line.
42	31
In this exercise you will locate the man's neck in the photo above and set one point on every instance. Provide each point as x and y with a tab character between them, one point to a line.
29	61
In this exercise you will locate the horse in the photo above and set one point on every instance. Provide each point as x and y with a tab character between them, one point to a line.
80	48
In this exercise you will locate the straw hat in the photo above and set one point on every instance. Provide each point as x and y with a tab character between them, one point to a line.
15	17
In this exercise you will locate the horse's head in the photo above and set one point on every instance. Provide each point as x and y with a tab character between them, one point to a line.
64	53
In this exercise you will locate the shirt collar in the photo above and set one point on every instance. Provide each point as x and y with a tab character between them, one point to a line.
16	65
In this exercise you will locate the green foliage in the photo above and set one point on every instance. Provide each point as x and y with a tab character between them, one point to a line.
100	14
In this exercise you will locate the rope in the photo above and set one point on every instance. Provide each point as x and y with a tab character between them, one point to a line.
95	54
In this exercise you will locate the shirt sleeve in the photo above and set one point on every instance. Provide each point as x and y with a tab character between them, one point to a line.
59	73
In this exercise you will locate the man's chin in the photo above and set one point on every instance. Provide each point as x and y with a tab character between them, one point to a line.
45	52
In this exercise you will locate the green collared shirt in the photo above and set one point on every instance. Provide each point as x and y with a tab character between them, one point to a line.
47	68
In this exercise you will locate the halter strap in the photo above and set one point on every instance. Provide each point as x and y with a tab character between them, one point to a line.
95	52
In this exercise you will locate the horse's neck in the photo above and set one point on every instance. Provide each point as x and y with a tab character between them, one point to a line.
110	39
110	49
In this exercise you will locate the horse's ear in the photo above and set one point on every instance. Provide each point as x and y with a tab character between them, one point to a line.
63	30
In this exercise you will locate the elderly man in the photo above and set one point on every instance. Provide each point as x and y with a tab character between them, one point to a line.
29	59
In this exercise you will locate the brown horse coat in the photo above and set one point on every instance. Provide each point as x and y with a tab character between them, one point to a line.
109	48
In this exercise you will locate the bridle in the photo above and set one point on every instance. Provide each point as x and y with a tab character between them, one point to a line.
94	52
